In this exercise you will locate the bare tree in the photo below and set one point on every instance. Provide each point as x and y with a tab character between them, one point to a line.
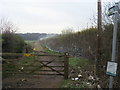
105	19
10	41
7	26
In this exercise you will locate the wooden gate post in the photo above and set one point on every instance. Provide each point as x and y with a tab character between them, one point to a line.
66	65
118	56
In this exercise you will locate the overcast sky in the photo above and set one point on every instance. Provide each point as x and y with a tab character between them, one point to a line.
49	16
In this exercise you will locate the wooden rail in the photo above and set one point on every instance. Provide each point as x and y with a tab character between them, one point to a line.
65	61
22	54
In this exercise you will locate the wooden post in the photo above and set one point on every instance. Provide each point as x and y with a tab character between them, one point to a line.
118	57
99	28
66	65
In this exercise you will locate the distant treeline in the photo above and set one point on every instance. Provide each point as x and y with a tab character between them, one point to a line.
34	36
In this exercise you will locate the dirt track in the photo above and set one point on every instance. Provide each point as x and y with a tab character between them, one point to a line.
34	81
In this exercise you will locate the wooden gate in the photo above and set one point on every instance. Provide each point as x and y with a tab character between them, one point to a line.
44	64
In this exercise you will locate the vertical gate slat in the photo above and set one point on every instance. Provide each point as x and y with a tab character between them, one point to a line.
66	60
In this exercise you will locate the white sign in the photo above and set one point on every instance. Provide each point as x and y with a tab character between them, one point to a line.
111	68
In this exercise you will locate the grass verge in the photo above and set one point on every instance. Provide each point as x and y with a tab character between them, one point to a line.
27	60
49	51
11	67
77	65
75	62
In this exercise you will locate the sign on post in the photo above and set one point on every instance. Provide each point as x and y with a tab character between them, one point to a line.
111	68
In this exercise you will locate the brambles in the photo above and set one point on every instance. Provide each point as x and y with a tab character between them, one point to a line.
11	43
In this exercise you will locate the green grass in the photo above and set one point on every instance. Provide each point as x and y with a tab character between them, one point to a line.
30	41
8	69
49	51
12	66
75	62
27	60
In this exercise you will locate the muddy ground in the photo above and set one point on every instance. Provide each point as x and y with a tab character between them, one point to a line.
34	81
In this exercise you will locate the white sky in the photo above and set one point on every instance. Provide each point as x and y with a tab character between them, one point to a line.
49	16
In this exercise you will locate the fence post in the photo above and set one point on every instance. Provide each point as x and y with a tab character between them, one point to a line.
66	65
118	56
